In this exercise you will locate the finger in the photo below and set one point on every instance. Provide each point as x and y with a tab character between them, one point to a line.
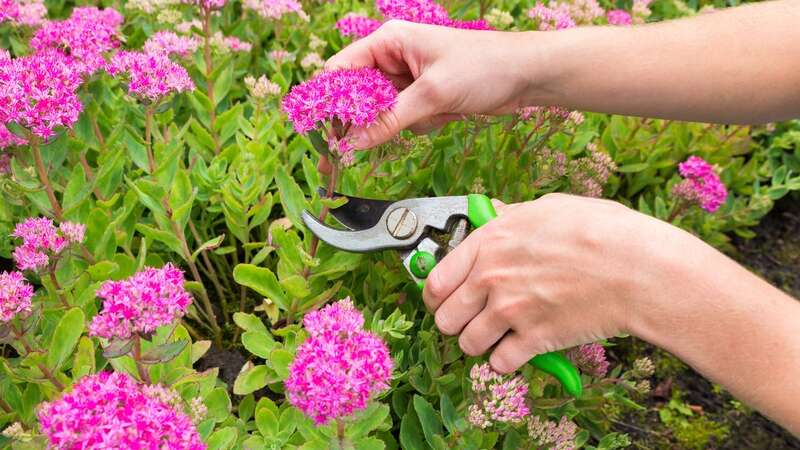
433	123
481	333
511	353
411	107
462	306
324	165
451	271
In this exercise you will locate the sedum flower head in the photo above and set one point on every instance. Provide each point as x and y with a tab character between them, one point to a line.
582	12
556	17
280	56
38	92
151	76
619	17
9	139
140	304
590	359
226	44
41	240
589	174
498	398
357	26
87	35
149	6
170	43
312	61
425	11
23	12
643	368
546	433
701	185
111	410
15	295
275	9
499	18
339	368
262	87
351	96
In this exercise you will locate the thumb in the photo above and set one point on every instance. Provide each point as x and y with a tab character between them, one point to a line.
412	106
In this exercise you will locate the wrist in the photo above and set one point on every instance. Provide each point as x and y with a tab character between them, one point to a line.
544	66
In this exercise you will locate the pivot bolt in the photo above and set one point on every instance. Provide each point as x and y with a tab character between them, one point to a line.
401	223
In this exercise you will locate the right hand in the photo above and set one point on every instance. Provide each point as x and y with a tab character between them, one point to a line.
444	73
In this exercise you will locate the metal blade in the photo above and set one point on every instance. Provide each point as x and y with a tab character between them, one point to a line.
358	213
359	241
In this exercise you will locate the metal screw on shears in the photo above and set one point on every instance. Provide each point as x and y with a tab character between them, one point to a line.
401	223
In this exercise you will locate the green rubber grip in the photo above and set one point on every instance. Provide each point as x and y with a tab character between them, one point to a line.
561	368
479	210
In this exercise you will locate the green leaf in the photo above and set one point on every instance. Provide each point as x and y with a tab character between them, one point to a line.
318	143
218	404
633	168
164	353
118	348
102	270
369	420
65	337
167	238
84	362
258	343
251	380
223	439
369	443
249	322
199	349
222	84
428	419
411	433
292	197
267	423
280	362
211	244
263	281
452	421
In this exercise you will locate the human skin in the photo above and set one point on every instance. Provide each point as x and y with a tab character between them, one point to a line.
563	270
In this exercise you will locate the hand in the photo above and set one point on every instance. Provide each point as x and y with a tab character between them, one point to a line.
444	73
550	274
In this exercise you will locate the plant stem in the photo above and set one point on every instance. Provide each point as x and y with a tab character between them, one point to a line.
212	113
5	406
137	357
90	173
28	349
52	274
212	274
42	171
340	432
678	209
148	131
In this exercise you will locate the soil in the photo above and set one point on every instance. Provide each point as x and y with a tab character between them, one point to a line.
773	254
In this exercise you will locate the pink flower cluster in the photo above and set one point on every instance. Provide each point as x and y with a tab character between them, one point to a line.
140	304
498	398
38	92
590	359
9	139
15	295
581	11
351	96
589	174
111	410
41	240
557	17
356	25
151	76
171	44
207	4
340	367
23	12
425	11
701	186
619	17
275	9
548	434
87	35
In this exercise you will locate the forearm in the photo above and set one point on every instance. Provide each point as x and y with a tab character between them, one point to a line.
725	322
735	66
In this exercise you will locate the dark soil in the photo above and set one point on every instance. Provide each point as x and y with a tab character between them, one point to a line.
230	362
773	254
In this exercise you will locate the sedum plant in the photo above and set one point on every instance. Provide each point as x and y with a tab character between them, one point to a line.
158	288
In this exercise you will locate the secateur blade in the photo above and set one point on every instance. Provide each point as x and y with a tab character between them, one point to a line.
358	213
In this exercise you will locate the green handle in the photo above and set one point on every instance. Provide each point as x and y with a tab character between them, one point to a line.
479	212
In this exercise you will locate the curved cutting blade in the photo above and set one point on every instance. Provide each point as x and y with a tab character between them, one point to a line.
358	213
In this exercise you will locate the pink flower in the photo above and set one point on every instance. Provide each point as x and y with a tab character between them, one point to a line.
171	44
590	359
39	92
546	433
589	174
87	35
275	9
230	43
207	4
498	398
279	56
15	295
425	11
151	76
352	96
5	163
23	12
619	17
339	368
140	304
701	186
357	26
581	11
552	18
111	410
9	139
41	240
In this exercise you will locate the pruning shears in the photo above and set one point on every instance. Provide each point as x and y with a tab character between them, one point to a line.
418	228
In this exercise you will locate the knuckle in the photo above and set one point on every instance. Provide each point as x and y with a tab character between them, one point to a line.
435	287
445	324
508	310
468	346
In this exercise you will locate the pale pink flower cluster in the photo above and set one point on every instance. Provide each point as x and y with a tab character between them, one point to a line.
498	398
262	87
113	411
151	76
590	359
351	96
280	56
550	164
140	304
87	35
41	240
171	44
582	12
557	17
186	27
275	9
542	113
619	17
9	139
548	434
641	10
38	92
196	409
224	43
702	185
312	61
589	174
15	295
23	12
207	4
340	367
357	26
